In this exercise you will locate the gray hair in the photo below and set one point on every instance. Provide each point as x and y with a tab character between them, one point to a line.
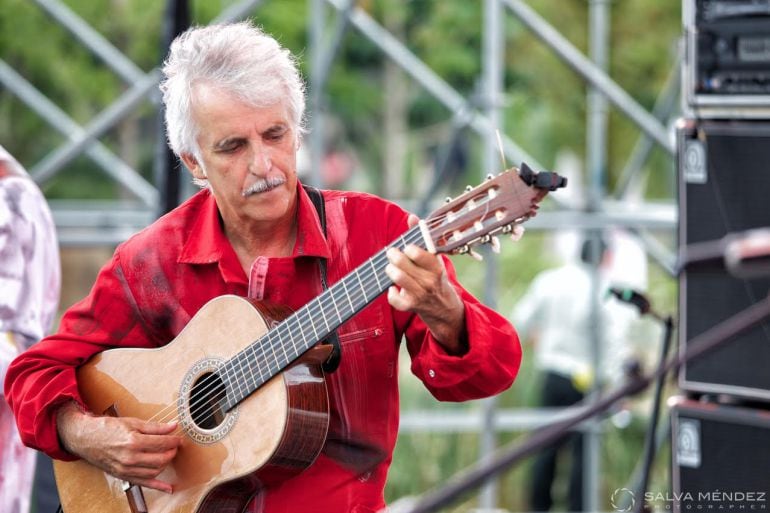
238	58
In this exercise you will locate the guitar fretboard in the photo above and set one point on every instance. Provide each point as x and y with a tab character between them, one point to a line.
275	350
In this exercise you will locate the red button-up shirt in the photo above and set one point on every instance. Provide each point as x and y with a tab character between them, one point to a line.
158	279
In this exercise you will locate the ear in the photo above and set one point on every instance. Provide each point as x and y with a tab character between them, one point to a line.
192	164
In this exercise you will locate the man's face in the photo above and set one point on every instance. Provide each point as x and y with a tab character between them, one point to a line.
248	156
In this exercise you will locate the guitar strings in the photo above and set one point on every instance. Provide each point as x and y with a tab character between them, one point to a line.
314	319
195	407
209	383
274	338
261	351
315	313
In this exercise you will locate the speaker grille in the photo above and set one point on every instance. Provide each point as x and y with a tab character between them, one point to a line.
721	457
729	192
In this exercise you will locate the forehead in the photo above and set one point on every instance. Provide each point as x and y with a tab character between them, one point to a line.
218	113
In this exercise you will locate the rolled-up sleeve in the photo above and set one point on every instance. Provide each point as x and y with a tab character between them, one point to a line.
44	377
488	367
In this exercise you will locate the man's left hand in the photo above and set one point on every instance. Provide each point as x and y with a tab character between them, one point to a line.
422	286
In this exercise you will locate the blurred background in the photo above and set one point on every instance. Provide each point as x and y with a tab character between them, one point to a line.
406	100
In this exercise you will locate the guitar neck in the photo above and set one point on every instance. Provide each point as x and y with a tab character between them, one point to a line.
278	348
475	217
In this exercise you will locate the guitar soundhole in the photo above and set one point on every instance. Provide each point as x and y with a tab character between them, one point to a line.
206	399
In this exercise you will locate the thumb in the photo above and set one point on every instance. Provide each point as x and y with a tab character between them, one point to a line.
157	428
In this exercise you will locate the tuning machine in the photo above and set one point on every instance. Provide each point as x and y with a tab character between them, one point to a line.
493	241
466	250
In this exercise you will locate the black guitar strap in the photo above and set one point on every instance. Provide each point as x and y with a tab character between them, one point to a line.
317	198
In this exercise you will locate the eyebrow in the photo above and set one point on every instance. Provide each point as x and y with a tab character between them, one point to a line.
276	129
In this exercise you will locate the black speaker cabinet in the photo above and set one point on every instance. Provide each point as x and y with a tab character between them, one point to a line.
724	187
721	459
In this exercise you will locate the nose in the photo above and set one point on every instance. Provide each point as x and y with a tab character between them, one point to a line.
260	162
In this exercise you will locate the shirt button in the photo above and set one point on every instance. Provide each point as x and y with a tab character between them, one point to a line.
432	373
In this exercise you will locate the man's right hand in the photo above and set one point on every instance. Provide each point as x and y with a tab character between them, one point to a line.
128	448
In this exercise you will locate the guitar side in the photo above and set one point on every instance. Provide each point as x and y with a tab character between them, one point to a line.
274	433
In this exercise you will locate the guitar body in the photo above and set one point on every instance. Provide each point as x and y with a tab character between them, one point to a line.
225	458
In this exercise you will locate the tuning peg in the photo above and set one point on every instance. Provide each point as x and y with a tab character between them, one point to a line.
495	244
517	232
490	176
468	188
476	256
448	199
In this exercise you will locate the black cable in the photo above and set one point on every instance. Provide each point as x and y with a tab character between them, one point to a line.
649	441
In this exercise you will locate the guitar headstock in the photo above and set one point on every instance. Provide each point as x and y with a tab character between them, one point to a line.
496	206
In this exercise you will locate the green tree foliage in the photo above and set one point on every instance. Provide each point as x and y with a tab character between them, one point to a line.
544	107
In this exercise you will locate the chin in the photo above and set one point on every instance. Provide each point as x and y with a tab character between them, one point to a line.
271	205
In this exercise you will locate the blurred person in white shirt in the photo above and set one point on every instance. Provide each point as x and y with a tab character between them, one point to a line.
555	317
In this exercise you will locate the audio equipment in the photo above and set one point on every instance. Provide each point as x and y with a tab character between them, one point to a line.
720	456
726	71
724	184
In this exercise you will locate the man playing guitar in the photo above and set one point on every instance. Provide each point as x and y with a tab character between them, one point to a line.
234	111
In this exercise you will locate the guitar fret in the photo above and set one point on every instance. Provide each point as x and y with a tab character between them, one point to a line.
272	349
375	273
312	324
242	368
292	326
290	334
347	294
285	354
262	357
336	309
323	316
360	284
302	332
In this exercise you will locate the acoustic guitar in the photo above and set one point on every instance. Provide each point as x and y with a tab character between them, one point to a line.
240	364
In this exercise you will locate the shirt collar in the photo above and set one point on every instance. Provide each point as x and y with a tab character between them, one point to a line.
310	238
207	242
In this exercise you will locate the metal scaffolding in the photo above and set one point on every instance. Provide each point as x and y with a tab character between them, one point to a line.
329	21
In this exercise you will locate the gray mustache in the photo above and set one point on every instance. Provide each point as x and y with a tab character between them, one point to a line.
264	185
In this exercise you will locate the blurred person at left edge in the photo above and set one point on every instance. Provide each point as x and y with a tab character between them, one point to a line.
30	280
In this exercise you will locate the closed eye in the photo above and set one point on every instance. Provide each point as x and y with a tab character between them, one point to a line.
229	146
275	133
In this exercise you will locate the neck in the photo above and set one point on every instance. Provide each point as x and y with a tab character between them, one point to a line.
272	240
268	239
